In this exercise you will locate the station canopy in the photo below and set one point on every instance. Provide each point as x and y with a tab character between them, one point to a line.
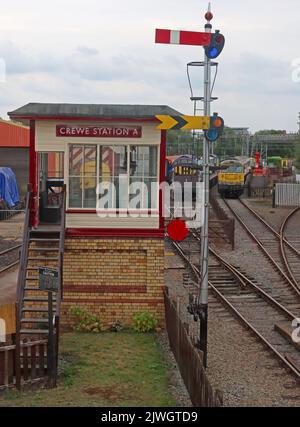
95	111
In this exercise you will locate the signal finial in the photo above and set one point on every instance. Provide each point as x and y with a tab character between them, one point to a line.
209	16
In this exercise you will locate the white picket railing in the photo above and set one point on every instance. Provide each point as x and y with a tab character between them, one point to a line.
287	195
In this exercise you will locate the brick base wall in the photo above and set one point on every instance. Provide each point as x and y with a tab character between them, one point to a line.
113	278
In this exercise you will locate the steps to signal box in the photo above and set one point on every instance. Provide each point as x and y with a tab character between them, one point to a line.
43	251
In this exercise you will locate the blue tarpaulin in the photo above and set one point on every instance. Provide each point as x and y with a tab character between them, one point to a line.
8	187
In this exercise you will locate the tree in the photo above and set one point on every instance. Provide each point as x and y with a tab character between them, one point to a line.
181	142
278	150
297	155
230	144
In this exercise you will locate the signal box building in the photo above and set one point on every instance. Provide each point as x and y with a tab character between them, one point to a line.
111	158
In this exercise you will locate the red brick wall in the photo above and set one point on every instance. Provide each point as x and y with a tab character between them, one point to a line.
113	278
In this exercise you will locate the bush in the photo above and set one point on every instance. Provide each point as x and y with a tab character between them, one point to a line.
86	322
144	322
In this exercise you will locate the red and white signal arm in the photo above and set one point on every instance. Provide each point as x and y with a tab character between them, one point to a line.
191	38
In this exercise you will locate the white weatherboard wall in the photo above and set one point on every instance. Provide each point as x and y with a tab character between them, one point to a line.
93	221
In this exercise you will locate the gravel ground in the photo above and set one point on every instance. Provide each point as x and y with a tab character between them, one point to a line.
239	365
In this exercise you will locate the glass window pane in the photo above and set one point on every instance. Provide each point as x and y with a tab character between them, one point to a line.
143	161
144	193
113	161
151	199
89	192
106	195
121	192
75	193
90	161
75	160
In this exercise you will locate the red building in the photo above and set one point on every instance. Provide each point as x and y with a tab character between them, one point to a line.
14	150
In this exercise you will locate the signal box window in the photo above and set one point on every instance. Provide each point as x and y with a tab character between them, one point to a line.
117	165
83	176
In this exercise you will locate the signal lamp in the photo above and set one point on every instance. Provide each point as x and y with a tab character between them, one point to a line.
216	45
216	128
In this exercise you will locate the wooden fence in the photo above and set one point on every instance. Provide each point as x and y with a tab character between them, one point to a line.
33	363
189	360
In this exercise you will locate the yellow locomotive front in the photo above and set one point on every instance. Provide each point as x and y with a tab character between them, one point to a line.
231	179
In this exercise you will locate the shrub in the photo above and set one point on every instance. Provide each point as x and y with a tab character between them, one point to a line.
144	322
86	322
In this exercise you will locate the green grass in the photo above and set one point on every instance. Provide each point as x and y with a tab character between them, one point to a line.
109	369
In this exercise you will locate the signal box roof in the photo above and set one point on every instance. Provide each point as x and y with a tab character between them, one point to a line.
87	111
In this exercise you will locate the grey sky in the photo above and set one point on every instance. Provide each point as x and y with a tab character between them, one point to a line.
104	52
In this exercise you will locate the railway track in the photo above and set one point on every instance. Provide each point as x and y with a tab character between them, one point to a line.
284	286
289	247
259	312
9	258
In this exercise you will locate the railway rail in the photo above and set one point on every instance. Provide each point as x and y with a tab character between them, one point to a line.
287	248
276	248
269	320
9	258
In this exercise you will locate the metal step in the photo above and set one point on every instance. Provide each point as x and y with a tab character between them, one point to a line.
35	249
43	240
36	299
35	278
44	234
42	259
37	320
34	331
35	309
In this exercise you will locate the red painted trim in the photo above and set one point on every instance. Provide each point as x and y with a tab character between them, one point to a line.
115	233
33	176
163	152
107	289
86	119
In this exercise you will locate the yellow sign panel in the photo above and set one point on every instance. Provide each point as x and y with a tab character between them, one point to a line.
183	122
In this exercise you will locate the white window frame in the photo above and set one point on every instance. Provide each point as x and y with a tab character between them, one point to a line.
108	144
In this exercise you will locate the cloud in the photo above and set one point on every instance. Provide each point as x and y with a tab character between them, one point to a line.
87	50
74	51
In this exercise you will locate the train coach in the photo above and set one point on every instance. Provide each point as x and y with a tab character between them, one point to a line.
183	169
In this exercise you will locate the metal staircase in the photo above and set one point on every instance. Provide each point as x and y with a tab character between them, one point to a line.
42	247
